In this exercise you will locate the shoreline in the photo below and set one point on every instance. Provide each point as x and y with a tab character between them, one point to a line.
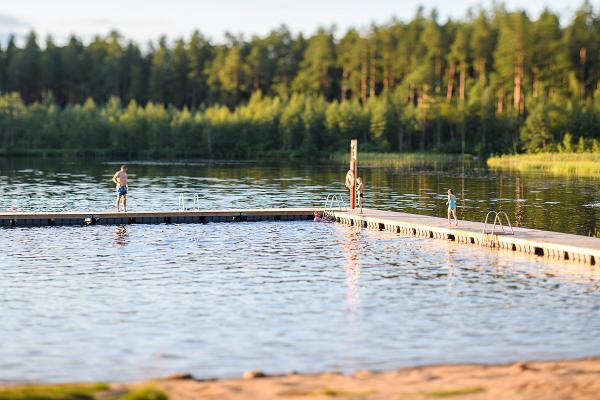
571	164
573	379
561	379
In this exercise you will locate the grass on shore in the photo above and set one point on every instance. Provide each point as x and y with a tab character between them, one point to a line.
77	391
397	160
454	392
576	164
328	392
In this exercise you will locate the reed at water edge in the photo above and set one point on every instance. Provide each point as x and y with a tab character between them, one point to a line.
574	164
400	160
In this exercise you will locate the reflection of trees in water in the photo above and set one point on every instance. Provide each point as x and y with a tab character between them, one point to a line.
352	268
518	204
552	203
121	236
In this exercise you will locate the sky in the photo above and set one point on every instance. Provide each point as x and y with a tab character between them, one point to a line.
147	20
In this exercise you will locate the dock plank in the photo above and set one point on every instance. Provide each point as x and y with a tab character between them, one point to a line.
557	244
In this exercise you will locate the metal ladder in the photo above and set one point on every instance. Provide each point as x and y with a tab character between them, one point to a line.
331	202
497	220
195	204
181	205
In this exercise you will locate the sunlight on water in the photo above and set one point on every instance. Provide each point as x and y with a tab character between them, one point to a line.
531	200
138	301
133	302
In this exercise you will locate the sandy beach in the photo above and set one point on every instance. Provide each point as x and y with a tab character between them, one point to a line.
571	379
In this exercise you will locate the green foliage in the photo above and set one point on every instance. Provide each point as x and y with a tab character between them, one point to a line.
573	163
494	82
52	392
77	391
542	126
144	393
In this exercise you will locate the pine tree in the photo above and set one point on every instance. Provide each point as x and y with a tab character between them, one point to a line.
161	74
314	75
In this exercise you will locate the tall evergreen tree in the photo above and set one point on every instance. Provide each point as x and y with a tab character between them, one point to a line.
315	73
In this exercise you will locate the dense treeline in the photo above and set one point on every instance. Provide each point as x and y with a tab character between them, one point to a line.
496	81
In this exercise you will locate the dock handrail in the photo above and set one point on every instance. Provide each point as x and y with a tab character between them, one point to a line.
181	203
195	202
330	203
497	220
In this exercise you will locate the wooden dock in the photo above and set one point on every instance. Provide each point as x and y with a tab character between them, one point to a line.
533	241
20	219
556	245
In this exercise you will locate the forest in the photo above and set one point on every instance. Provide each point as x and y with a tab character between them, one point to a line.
496	81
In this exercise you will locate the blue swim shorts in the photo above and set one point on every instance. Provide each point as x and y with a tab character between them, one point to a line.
122	190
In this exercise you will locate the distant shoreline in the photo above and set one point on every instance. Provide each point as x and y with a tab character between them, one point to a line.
575	378
371	158
561	164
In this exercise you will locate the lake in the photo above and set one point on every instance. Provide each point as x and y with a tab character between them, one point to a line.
533	200
123	303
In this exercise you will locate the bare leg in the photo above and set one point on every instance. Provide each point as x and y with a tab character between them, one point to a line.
125	204
449	216
454	214
118	202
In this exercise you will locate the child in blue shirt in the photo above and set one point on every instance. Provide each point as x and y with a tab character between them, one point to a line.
451	207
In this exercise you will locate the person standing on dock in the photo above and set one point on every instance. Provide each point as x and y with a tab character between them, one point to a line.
360	189
451	207
120	179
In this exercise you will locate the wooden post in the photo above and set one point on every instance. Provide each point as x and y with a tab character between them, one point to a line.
354	169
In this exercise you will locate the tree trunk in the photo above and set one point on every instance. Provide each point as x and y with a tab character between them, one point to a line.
481	70
345	73
518	78
438	133
386	70
463	80
463	129
400	133
256	81
363	77
423	137
582	62
372	70
451	72
438	74
500	103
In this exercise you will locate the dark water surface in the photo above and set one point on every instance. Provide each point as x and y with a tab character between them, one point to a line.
565	204
131	302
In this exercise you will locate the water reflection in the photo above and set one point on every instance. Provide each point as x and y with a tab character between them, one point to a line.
530	199
352	271
352	267
121	236
219	299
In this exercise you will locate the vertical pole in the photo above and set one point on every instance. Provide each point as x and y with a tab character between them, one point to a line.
354	169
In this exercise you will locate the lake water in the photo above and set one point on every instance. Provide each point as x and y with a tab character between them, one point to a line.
123	303
565	204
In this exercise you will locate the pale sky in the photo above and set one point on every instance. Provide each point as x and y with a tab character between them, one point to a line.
144	20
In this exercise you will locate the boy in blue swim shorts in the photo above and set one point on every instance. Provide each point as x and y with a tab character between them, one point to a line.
120	179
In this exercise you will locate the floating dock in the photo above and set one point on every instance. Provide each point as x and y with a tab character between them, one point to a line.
21	219
555	245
